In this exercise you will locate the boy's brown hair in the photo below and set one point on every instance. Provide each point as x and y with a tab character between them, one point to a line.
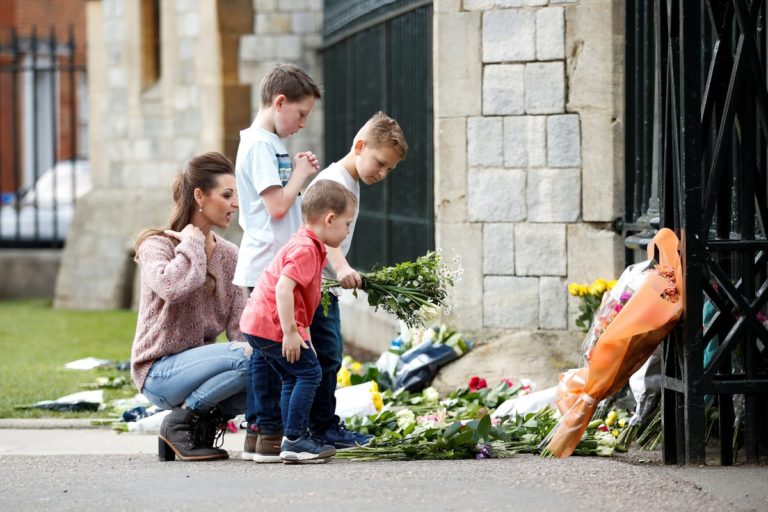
382	130
325	196
290	81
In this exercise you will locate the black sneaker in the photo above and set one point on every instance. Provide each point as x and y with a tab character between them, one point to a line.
340	437
306	449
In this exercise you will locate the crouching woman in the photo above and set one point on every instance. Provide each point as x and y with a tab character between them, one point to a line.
187	300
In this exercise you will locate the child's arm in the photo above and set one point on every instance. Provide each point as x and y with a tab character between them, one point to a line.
345	274
278	200
292	342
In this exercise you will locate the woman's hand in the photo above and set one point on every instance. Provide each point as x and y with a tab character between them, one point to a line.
189	232
292	345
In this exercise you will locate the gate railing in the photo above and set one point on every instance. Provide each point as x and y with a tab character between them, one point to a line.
701	86
42	161
377	55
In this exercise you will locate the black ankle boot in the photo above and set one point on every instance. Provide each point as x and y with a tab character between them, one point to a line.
210	429
177	438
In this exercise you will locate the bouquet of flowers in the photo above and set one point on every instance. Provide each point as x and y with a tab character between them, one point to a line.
590	296
414	292
631	321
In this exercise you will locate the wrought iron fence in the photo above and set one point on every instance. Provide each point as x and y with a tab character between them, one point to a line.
377	56
43	167
697	132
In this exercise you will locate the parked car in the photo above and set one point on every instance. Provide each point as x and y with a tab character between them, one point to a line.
43	213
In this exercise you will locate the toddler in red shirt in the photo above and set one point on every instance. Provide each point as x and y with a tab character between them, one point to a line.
280	309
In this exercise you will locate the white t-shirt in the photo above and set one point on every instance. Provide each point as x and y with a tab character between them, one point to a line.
262	162
336	172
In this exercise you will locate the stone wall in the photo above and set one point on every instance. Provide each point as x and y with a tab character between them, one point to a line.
528	154
140	136
286	31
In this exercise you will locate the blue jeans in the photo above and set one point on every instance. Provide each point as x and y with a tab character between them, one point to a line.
264	388
326	338
204	377
300	380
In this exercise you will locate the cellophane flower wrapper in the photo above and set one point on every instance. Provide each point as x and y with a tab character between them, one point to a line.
631	322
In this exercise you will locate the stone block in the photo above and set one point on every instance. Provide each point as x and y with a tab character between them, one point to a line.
563	141
499	249
496	195
255	48
306	22
602	168
484	141
525	143
554	195
29	273
293	5
550	33
265	5
273	23
519	3
510	302
448	6
540	250
509	35
188	25
465	239
288	47
594	35
450	169
544	88
593	253
536	355
478	5
457	65
504	89
553	303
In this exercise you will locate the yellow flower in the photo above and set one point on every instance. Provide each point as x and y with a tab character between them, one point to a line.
615	433
612	283
623	422
583	290
573	289
378	402
374	386
611	418
356	366
344	378
598	286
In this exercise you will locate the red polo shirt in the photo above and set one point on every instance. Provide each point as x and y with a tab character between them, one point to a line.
302	260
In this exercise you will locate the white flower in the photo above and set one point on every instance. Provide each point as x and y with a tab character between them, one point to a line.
431	394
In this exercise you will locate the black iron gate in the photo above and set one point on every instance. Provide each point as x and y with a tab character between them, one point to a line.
43	167
378	56
697	146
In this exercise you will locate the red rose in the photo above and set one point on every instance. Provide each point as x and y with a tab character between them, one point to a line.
476	383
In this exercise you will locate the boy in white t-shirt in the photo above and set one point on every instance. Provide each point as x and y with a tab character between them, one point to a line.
377	148
268	186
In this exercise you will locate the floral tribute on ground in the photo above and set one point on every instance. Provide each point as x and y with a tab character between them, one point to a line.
632	319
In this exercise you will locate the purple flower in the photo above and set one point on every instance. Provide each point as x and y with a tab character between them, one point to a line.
625	297
484	453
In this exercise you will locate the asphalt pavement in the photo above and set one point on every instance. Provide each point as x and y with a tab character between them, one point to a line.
76	468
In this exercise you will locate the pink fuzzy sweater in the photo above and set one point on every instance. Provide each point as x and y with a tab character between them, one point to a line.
178	311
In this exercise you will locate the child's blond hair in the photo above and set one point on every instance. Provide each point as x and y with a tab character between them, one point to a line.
382	130
325	196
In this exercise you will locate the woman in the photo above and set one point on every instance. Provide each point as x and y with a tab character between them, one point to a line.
187	300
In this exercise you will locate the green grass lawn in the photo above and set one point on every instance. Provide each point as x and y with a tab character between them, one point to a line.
36	341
